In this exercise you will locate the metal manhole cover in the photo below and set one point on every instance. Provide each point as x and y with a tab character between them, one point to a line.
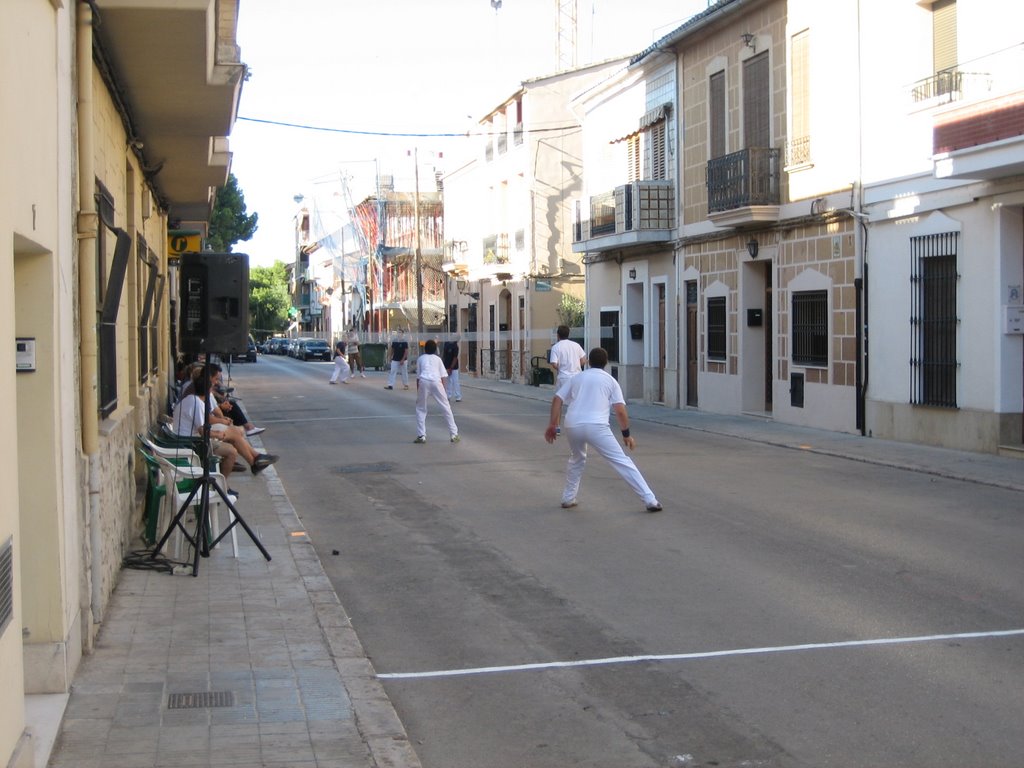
353	468
201	700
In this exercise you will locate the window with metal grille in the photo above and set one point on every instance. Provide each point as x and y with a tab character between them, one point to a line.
810	328
610	334
716	328
933	319
716	115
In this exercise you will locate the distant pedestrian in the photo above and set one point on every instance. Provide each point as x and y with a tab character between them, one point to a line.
355	357
450	358
567	357
589	397
430	382
341	366
399	360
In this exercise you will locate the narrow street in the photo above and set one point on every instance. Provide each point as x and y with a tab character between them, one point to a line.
786	609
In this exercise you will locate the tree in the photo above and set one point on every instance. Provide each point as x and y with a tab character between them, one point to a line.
229	224
571	311
269	301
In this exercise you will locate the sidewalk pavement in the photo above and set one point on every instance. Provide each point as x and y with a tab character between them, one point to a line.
272	671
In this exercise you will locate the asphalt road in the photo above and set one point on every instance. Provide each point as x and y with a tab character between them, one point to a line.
786	609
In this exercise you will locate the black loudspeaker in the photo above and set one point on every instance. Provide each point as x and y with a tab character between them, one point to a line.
214	302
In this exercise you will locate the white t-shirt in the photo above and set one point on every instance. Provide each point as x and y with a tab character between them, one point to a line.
430	368
590	396
566	354
190	415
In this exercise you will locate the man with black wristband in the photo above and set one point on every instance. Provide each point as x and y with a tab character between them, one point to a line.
589	396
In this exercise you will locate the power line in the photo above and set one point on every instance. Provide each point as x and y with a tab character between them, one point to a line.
463	135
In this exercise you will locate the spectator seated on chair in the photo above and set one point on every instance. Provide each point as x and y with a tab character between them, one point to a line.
190	417
228	406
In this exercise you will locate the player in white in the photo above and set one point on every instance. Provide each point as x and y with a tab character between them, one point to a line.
566	357
431	382
590	396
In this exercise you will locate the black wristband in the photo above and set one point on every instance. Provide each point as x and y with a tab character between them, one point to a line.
625	432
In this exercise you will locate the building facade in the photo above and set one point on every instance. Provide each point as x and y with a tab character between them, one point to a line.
97	191
512	274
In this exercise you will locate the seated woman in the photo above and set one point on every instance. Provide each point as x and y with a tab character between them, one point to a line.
190	417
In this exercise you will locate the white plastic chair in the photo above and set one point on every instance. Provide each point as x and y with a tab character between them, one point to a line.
175	498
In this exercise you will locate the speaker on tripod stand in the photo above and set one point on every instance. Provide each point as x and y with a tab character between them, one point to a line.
214	303
214	319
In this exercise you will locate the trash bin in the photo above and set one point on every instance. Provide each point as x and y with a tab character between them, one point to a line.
538	374
373	355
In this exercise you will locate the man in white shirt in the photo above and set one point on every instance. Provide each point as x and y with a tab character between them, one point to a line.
589	397
567	357
431	378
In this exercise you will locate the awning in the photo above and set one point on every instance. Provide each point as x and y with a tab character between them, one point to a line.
655	115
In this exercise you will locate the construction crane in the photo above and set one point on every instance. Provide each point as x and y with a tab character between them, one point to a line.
566	32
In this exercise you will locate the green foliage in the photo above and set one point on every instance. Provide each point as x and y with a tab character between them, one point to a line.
229	223
571	311
269	301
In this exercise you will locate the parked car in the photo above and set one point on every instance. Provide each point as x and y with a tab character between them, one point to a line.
316	348
249	356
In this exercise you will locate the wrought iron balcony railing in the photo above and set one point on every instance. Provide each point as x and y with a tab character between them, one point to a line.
742	179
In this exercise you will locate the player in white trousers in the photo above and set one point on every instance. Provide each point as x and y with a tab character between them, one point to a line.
430	382
341	367
589	396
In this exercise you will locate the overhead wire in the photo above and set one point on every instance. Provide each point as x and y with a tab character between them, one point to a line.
399	134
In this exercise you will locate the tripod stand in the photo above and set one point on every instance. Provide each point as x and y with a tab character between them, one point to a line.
200	539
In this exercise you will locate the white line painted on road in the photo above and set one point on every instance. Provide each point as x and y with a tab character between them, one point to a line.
701	655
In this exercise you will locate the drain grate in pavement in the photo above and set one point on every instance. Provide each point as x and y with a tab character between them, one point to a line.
201	700
350	468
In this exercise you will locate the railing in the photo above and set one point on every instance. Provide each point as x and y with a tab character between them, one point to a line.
745	178
602	214
798	152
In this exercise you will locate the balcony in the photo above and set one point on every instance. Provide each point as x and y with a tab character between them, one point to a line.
634	214
977	122
179	66
743	187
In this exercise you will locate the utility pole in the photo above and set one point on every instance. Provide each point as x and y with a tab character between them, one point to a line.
419	260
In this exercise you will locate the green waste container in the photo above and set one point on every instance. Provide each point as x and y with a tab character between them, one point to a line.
374	355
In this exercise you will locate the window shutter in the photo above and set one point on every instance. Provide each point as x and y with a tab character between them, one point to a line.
634	158
944	50
657	138
756	131
800	85
716	116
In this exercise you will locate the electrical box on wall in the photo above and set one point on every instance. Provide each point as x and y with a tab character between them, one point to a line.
1013	322
25	355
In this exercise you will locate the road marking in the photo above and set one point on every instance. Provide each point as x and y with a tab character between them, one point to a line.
701	655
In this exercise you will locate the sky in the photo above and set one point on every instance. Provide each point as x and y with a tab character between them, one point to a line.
353	87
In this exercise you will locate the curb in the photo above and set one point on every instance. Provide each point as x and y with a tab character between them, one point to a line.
375	716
